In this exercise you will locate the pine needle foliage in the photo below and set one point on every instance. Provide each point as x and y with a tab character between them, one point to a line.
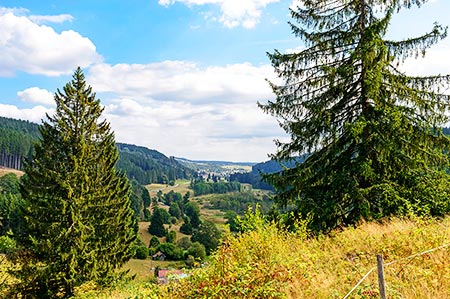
372	132
78	215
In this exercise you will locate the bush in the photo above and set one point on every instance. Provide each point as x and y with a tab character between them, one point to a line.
184	243
7	244
197	250
171	251
207	234
254	264
171	236
141	252
186	227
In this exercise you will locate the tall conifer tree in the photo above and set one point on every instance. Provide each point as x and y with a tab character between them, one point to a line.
79	220
372	132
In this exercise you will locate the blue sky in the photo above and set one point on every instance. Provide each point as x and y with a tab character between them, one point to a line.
179	76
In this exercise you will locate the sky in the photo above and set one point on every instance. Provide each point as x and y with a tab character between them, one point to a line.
179	76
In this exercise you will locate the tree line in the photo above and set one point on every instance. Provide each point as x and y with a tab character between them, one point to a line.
149	166
16	141
201	187
256	176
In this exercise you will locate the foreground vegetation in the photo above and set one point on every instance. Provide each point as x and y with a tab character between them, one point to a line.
266	263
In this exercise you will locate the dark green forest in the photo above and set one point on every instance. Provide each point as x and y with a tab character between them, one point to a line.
373	132
142	164
16	141
200	187
150	166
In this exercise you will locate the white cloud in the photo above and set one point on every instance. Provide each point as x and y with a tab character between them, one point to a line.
36	95
15	10
51	19
245	13
295	50
183	81
38	49
210	131
35	114
435	62
182	109
295	4
233	132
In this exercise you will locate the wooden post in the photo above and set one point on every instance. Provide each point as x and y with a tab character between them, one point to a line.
381	282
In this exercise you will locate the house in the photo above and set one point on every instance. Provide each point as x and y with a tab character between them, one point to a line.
159	256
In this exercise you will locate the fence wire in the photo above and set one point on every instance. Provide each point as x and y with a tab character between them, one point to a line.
396	261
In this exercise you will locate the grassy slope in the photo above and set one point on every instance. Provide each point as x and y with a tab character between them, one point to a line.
181	186
267	264
4	170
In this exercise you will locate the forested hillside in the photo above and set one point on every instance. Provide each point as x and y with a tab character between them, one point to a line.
16	141
150	166
144	165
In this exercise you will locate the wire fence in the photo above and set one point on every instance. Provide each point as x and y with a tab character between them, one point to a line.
393	262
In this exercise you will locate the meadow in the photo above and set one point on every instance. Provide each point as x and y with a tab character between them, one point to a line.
269	263
181	186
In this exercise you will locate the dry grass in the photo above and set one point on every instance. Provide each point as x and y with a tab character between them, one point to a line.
349	255
154	188
144	269
145	236
4	170
270	264
267	263
215	216
181	186
143	233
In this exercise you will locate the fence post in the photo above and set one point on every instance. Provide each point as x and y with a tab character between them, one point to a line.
381	282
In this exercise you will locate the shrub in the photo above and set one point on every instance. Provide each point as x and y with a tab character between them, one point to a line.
171	251
254	264
141	252
7	244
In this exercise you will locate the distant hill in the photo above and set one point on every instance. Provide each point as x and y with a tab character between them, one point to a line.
140	163
150	166
215	166
254	176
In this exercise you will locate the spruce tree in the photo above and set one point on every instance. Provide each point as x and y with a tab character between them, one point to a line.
78	216
373	133
156	227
